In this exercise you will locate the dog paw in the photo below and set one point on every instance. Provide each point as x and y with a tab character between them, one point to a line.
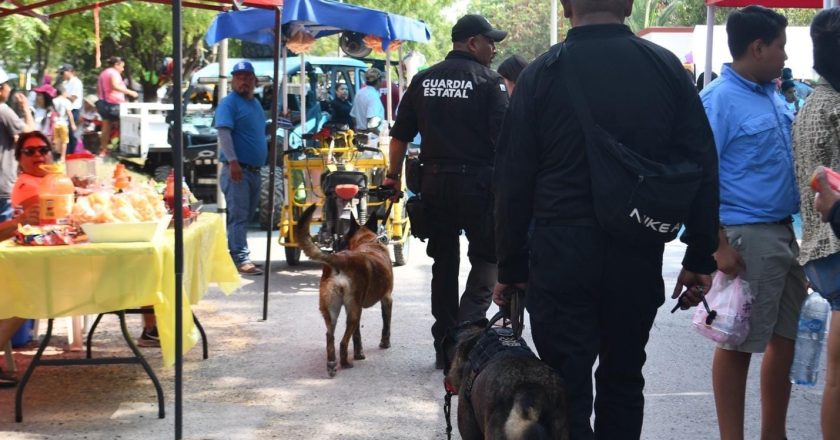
385	344
359	356
331	369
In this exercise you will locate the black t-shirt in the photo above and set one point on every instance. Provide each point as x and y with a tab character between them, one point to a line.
457	106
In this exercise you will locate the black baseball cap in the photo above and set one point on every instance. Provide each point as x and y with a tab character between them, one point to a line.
66	67
471	25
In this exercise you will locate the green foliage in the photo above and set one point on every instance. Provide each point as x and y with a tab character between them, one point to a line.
139	32
648	13
527	22
19	37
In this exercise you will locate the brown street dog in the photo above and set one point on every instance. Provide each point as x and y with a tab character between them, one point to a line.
355	278
504	391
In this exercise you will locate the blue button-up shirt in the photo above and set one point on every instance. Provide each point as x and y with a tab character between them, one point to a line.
752	129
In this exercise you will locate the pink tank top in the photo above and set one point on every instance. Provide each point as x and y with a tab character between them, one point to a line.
106	89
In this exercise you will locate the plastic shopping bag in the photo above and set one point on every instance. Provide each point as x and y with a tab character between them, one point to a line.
730	301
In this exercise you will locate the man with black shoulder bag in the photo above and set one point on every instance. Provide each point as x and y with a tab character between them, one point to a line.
457	106
606	175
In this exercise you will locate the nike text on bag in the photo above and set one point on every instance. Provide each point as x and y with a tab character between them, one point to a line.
635	198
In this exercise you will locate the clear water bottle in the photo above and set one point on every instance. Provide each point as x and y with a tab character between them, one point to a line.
813	322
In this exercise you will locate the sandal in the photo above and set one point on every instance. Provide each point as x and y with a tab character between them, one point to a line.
7	381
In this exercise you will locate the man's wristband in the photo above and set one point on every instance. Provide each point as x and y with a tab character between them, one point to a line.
393	176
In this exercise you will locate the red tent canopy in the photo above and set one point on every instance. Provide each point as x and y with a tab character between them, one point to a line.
767	3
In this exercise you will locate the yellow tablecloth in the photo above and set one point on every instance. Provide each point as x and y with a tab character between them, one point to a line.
91	278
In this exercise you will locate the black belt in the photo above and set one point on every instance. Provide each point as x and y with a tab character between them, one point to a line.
453	168
557	221
785	221
245	166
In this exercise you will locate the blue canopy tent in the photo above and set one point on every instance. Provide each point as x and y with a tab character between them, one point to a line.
319	18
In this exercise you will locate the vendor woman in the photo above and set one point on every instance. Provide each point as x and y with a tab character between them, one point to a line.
31	150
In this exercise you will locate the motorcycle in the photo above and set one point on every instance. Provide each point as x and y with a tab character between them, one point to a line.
348	171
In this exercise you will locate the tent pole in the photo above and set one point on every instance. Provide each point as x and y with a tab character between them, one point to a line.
389	113
272	158
710	36
178	165
221	91
400	76
302	76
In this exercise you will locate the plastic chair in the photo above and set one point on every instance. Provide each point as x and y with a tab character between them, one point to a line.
76	327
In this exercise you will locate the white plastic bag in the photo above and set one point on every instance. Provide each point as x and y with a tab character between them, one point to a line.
730	298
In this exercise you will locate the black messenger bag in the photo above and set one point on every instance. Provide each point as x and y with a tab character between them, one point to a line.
636	200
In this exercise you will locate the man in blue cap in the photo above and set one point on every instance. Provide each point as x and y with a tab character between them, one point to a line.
240	122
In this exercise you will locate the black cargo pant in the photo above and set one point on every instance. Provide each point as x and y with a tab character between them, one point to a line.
590	297
456	202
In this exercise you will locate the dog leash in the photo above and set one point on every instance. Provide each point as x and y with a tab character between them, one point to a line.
447	406
514	312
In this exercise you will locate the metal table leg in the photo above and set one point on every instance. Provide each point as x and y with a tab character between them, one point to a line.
136	359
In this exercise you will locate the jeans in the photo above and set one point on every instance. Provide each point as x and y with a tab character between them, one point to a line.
242	198
456	202
591	297
71	144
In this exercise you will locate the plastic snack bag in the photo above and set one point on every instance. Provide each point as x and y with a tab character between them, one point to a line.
730	301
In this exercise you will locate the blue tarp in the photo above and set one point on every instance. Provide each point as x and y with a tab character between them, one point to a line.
321	18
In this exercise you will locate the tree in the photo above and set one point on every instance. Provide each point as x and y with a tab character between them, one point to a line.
139	32
526	37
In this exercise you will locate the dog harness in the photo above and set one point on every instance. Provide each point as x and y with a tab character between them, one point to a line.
494	341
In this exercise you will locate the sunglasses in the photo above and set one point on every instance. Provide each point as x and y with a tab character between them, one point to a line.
43	150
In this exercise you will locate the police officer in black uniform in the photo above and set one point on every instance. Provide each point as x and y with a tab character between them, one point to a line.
457	106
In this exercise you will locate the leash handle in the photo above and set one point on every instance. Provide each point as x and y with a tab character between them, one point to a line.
447	407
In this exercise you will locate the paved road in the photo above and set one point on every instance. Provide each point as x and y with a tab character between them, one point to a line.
267	379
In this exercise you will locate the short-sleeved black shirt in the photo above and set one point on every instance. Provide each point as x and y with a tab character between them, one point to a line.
457	106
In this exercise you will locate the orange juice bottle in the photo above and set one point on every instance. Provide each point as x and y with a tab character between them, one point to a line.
55	195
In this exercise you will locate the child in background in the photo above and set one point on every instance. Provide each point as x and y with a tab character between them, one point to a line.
63	123
43	111
89	120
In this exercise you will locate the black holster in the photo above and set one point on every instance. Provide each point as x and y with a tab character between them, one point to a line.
417	214
413	174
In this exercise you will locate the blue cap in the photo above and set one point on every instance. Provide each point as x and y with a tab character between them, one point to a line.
242	66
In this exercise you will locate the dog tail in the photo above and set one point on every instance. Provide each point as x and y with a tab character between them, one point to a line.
526	420
304	240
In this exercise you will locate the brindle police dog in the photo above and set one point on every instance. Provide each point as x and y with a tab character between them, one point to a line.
513	395
357	277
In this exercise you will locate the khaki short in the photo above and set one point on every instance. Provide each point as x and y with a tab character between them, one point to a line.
777	282
61	135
